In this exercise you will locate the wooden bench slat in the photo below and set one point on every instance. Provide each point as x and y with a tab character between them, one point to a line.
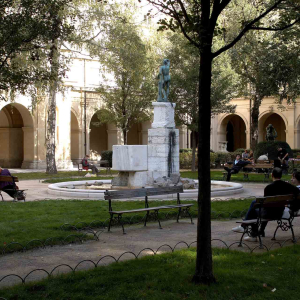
122	194
164	190
152	208
8	178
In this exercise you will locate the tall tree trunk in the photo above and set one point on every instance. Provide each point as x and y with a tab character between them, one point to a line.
51	114
125	136
204	269
254	122
194	151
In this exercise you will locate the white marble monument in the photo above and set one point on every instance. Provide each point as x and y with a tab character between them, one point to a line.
140	166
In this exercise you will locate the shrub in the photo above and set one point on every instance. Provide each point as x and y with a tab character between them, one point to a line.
213	157
271	149
185	150
107	155
185	160
222	157
296	152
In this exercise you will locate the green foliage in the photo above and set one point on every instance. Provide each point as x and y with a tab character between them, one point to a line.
127	70
222	157
270	148
183	150
185	160
185	82
107	155
213	157
27	30
295	152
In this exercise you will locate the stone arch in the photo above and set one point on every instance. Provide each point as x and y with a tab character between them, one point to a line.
138	133
75	138
16	136
277	120
98	136
232	130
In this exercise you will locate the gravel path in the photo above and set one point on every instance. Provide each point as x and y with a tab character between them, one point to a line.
115	243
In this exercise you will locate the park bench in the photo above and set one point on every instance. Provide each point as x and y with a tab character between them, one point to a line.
266	167
82	168
17	192
285	222
146	192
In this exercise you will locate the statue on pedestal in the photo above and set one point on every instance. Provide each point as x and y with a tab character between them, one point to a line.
164	81
271	133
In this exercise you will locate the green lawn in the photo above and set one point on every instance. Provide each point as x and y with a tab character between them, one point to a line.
61	174
74	175
217	175
23	222
240	276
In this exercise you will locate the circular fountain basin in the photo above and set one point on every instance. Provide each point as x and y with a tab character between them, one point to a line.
78	189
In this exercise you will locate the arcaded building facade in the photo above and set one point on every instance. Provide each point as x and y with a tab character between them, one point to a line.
78	131
23	129
232	131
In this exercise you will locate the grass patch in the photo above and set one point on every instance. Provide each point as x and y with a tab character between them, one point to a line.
239	275
60	174
76	179
23	222
218	175
72	175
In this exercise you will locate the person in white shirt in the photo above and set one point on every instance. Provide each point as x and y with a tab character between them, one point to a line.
295	180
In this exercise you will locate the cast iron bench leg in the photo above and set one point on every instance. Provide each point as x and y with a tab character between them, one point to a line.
120	222
293	234
157	218
274	236
260	242
179	212
110	221
187	210
146	219
241	243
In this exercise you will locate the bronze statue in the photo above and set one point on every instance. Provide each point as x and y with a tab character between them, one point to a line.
271	133
164	81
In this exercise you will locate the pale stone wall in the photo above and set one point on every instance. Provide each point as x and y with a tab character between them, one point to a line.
285	120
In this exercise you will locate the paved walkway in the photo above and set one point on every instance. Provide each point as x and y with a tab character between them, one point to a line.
36	190
115	243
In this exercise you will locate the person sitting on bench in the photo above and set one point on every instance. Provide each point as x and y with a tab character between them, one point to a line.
238	164
86	165
276	188
8	187
282	160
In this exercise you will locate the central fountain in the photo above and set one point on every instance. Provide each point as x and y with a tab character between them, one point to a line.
155	164
142	165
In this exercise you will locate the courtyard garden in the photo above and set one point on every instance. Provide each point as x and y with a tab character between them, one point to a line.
44	220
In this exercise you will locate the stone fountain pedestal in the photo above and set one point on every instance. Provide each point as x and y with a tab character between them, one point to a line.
141	165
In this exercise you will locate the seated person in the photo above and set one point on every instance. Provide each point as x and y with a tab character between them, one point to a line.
238	164
245	155
10	187
251	155
295	180
86	165
282	159
277	187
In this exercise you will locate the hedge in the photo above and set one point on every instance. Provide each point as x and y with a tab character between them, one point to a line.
270	148
107	155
